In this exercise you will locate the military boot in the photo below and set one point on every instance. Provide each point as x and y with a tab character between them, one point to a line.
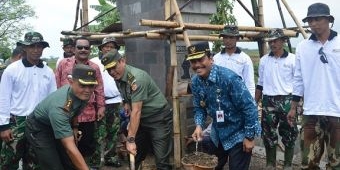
271	156
289	153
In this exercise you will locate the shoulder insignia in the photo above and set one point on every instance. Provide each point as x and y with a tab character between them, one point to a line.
134	86
68	105
130	78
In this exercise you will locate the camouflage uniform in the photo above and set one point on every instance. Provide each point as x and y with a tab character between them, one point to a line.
274	114
12	152
315	132
106	136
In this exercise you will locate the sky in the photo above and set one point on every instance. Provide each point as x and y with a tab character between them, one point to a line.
56	16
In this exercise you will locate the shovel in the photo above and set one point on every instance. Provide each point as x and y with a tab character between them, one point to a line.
132	161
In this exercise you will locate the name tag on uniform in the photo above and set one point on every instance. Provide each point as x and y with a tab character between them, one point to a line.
219	116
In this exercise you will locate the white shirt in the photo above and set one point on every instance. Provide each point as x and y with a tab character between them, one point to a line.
276	74
317	82
241	64
110	88
22	88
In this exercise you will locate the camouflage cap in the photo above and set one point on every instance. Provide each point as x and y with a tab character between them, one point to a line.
68	41
198	50
231	31
85	74
33	38
110	59
318	10
274	34
108	40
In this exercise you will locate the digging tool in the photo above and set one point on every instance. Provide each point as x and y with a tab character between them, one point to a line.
132	161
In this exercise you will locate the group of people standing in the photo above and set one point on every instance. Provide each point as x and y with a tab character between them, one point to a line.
223	88
69	118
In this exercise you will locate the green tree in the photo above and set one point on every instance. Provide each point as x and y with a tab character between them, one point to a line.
223	16
108	14
12	15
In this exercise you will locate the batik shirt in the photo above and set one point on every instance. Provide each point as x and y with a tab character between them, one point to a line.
240	111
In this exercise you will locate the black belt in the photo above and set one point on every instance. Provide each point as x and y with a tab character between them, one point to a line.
278	97
107	98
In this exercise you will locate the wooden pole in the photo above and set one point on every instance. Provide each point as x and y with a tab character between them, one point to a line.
195	26
181	23
295	19
284	24
263	44
85	14
176	121
163	34
77	15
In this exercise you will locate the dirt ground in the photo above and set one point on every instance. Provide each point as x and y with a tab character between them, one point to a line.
257	163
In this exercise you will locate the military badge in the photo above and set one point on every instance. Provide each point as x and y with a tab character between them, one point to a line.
134	87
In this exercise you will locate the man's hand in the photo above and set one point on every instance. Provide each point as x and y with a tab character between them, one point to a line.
100	113
198	134
132	148
291	117
7	135
248	145
127	109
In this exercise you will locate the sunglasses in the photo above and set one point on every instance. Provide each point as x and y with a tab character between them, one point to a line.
83	47
323	56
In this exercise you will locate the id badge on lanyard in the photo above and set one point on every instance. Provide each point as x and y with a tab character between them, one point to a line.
219	116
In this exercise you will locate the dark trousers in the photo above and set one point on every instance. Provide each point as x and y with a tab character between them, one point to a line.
157	136
238	159
87	143
48	150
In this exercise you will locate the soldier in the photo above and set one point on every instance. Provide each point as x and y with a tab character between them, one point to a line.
150	114
52	128
109	125
317	80
275	86
234	58
95	109
24	84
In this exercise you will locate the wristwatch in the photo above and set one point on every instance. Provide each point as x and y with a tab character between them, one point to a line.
250	138
130	139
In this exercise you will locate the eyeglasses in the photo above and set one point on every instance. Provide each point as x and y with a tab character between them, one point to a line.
323	56
79	47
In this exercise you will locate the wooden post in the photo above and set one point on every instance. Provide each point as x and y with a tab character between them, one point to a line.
304	34
85	14
177	132
263	44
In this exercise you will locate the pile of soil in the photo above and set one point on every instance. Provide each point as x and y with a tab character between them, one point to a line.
200	159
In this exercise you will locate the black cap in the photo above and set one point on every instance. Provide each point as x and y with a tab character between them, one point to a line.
318	10
198	50
85	74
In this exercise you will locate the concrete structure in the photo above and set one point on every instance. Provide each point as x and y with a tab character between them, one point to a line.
153	56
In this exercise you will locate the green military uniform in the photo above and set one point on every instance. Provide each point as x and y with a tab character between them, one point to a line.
52	120
155	126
